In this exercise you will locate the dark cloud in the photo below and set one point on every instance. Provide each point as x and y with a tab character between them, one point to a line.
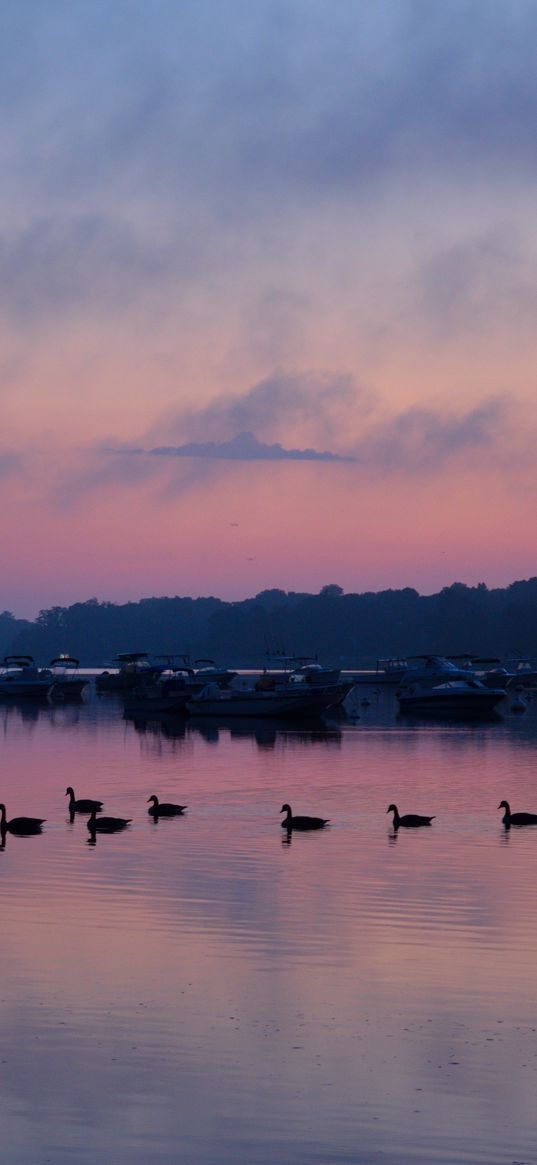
319	404
233	97
11	463
158	145
416	441
481	279
244	447
422	440
91	261
102	467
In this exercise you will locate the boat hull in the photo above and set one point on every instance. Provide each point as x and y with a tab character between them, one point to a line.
25	689
285	704
466	705
68	689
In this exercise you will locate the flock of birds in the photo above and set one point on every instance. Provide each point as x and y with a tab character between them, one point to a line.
407	820
98	823
414	820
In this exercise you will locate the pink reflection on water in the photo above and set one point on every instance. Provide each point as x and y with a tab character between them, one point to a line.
351	988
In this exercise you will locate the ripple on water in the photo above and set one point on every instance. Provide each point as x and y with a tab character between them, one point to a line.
214	993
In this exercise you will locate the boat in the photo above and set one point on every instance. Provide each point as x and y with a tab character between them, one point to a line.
161	694
20	678
170	690
521	673
283	700
130	668
405	669
308	675
297	668
451	697
206	671
66	684
515	673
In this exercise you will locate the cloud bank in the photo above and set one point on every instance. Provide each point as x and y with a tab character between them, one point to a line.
244	447
414	441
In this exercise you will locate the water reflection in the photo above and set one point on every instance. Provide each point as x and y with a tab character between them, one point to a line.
265	732
173	727
27	832
216	997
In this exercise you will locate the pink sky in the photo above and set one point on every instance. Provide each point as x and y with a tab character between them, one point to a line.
306	243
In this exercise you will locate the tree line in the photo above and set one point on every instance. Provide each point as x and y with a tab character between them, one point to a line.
351	630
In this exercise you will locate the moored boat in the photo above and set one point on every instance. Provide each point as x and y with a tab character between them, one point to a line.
206	671
131	667
456	697
66	683
20	678
167	693
286	700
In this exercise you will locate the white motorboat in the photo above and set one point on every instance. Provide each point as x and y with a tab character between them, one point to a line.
415	668
283	700
206	671
308	675
451	697
130	668
21	679
66	683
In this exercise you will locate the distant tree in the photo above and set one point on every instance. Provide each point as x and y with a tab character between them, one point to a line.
353	629
271	598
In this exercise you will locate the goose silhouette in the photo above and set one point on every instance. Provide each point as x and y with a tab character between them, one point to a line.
164	808
516	818
408	820
21	825
106	824
301	822
83	804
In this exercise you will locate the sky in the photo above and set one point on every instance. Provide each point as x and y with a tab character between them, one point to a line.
268	293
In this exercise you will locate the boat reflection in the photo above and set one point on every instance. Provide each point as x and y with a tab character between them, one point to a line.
173	727
424	719
57	715
265	732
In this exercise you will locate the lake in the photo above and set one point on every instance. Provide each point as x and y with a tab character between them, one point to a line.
199	990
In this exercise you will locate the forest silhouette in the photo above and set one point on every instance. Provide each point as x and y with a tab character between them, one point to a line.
348	629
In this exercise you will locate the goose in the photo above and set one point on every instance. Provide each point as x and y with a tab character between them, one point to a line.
20	825
83	805
408	820
290	822
164	808
516	818
106	824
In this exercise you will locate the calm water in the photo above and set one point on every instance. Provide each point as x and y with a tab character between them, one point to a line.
197	990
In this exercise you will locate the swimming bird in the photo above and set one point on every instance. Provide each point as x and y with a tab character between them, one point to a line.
83	805
290	822
106	824
164	808
20	825
516	818
408	820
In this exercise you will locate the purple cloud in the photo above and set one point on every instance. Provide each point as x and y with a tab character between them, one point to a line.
244	447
